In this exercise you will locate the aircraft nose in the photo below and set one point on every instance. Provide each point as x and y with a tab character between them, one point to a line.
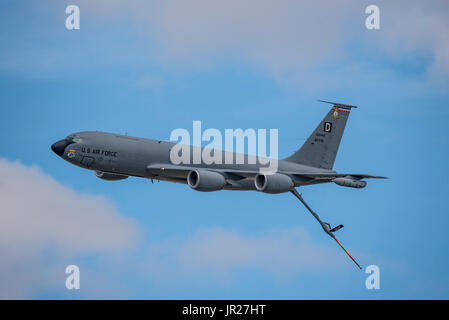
59	147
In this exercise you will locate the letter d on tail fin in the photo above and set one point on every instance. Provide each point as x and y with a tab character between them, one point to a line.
321	147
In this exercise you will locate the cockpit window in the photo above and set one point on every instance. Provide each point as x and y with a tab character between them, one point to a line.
74	138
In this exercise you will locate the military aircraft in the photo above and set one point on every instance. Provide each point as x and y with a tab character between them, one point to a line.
116	157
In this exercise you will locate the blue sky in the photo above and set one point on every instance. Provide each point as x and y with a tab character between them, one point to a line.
145	69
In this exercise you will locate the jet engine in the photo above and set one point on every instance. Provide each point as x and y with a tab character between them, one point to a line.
110	176
205	180
273	183
350	182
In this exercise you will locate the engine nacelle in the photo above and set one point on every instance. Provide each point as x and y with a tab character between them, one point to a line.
110	176
273	183
205	180
350	182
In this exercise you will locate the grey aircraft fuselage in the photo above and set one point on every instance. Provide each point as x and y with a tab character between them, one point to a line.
131	156
116	157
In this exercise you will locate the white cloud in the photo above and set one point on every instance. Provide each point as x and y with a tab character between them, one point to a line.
40	218
279	34
44	226
313	45
416	28
304	42
289	35
216	253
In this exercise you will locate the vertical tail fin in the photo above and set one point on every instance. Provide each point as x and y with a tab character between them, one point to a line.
321	147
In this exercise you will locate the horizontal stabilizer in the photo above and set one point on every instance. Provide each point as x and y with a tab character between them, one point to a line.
338	175
338	104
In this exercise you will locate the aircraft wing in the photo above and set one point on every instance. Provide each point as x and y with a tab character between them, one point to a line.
181	171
